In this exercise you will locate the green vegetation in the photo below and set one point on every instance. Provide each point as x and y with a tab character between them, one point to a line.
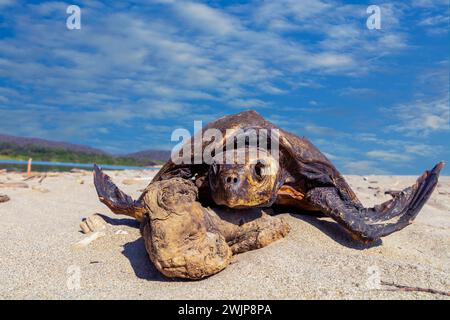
39	153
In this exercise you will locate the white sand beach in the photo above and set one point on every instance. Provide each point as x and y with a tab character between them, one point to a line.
317	260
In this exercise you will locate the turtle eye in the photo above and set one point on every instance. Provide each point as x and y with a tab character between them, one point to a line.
259	166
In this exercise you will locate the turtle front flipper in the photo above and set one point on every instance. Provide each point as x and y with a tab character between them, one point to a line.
114	198
369	224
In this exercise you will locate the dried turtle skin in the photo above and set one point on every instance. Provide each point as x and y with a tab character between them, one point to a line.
179	237
187	240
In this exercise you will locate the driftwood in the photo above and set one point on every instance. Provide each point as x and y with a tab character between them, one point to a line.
13	185
35	175
398	287
82	171
40	176
4	198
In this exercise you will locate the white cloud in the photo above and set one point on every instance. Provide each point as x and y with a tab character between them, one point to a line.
429	3
392	41
276	12
319	130
206	19
248	103
422	117
331	157
132	64
5	3
388	155
350	91
129	53
434	20
363	167
434	16
423	149
331	60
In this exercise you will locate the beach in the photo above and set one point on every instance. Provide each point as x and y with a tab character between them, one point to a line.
40	258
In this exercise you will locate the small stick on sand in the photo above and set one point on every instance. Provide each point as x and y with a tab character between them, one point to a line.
43	177
14	185
4	198
399	287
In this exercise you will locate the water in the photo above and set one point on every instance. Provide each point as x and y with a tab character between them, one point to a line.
43	166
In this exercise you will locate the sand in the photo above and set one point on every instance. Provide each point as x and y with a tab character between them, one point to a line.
317	260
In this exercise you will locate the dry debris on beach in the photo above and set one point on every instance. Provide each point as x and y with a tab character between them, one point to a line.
47	254
4	198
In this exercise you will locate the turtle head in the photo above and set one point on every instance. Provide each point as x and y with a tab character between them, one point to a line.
250	177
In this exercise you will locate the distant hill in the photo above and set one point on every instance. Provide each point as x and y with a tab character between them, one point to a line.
21	148
156	155
24	141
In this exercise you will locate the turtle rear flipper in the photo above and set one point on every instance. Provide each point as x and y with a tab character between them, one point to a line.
114	198
369	224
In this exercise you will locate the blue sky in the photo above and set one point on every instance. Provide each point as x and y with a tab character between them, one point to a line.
375	101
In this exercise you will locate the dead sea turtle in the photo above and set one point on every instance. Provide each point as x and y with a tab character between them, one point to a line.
195	215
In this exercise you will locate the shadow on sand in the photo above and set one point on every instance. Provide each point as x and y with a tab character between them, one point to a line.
336	232
129	222
136	253
330	228
140	262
